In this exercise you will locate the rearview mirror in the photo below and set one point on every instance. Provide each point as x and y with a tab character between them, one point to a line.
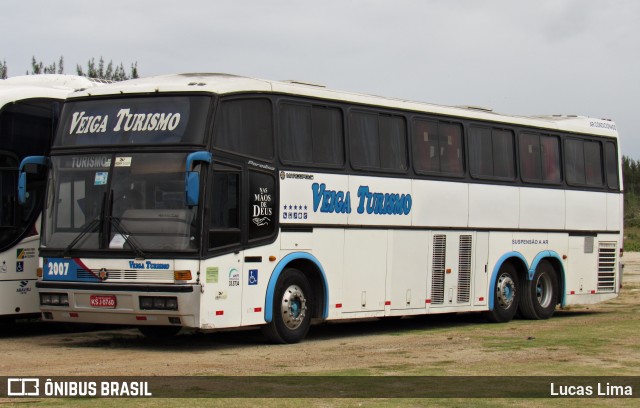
192	188
22	178
192	178
22	188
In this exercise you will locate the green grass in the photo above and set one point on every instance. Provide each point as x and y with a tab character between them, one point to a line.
632	239
581	341
332	402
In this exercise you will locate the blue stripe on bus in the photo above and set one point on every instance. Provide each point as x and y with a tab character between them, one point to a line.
496	269
284	262
539	257
530	269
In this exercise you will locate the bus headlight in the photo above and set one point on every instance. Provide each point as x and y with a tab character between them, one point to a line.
146	302
158	303
172	304
54	299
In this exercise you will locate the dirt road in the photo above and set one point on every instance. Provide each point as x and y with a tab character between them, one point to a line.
432	345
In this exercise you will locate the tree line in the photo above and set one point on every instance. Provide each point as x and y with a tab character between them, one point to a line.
98	70
631	175
631	184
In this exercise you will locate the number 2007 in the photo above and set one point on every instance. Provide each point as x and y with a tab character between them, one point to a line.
58	268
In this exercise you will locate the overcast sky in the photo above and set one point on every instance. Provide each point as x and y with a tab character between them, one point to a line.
516	57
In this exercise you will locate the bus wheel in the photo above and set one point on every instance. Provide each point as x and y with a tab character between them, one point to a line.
506	295
159	332
540	294
291	308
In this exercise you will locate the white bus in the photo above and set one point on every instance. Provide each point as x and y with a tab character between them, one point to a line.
213	201
29	111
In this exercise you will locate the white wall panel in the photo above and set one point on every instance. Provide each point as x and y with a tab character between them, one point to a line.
542	208
614	211
586	211
493	206
440	204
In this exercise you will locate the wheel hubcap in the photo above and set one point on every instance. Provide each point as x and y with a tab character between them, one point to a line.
294	307
506	291
543	290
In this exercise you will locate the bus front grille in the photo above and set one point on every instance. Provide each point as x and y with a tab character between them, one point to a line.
127	275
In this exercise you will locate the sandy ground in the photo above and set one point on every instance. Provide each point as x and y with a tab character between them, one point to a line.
451	345
632	267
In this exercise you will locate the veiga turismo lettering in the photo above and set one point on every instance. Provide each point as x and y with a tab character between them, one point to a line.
90	162
141	122
332	201
147	265
383	203
81	123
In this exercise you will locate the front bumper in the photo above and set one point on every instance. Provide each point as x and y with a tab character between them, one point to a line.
127	310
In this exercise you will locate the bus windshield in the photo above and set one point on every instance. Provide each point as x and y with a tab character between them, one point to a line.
124	201
134	121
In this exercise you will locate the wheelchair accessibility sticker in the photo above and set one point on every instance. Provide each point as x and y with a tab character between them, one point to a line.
253	276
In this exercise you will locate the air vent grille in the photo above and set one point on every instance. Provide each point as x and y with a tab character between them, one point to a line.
437	269
607	267
464	269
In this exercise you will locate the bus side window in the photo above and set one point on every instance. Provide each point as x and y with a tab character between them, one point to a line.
611	165
530	152
378	141
426	146
393	143
450	135
593	163
245	126
224	227
491	153
539	158
437	147
584	162
550	151
480	152
311	134
574	159
365	143
504	163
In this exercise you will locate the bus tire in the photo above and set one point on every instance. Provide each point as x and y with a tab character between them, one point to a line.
540	294
292	305
159	332
506	295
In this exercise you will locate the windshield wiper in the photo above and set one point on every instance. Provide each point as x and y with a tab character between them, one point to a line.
96	222
87	229
120	229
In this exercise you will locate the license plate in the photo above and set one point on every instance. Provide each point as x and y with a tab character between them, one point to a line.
107	301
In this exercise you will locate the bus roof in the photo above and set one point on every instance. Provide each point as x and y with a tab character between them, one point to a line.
224	84
42	86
